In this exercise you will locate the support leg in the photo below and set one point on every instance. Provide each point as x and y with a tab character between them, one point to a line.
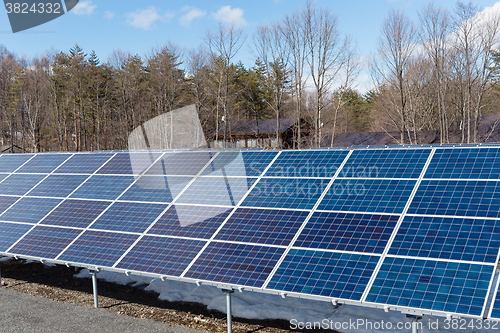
414	324
94	287
228	293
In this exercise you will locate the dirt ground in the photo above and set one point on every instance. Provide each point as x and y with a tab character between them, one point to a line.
59	284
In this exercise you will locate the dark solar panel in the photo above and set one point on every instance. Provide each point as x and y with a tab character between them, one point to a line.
84	163
332	274
6	202
190	221
156	188
471	163
368	195
320	163
182	164
161	255
239	264
98	248
29	210
495	308
11	162
458	198
388	163
76	213
103	187
11	232
242	164
286	193
129	216
432	285
57	186
19	184
265	226
44	163
45	242
448	238
347	232
216	191
130	163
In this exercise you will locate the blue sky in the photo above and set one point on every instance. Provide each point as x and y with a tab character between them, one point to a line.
138	26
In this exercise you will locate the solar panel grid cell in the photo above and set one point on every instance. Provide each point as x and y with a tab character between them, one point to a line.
241	164
6	202
11	232
98	248
59	186
448	238
130	163
465	164
19	184
347	232
43	163
273	227
76	213
331	274
432	285
161	255
9	163
156	188
29	210
84	163
181	164
103	187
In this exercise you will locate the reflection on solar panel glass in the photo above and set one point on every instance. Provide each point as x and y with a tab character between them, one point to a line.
243	164
216	191
181	164
156	188
190	221
368	195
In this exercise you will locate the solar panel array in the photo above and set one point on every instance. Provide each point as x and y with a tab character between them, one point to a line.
402	228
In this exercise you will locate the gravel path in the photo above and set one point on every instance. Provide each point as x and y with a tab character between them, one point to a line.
26	313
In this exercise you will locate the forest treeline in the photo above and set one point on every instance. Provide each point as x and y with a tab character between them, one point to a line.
439	73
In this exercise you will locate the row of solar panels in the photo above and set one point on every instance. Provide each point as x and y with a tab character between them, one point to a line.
296	230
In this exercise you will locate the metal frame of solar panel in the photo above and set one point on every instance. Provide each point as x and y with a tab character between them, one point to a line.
414	229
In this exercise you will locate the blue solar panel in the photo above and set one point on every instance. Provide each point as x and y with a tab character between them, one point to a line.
368	195
129	163
156	188
242	164
44	163
84	163
182	164
400	163
266	226
11	162
98	248
495	308
45	242
3	176
29	210
448	238
458	198
286	193
129	216
19	184
465	163
11	232
239	264
161	255
57	186
347	232
6	202
432	285
331	274
320	163
216	191
103	187
76	213
190	221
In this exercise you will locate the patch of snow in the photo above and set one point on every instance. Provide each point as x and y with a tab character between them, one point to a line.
252	305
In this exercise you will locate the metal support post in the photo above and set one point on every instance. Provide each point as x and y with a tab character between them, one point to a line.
94	287
414	324
0	276
228	293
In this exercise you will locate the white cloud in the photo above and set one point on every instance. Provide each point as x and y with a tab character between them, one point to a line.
109	15
228	15
84	8
193	13
144	18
